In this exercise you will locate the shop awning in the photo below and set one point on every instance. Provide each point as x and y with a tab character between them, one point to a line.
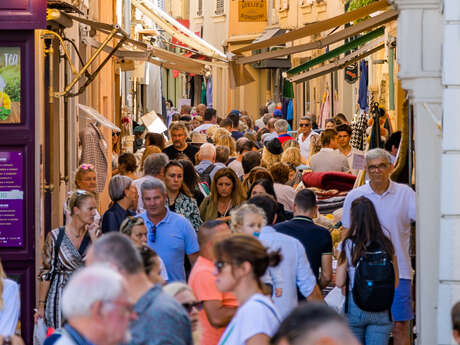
145	52
177	30
367	24
317	27
337	51
359	54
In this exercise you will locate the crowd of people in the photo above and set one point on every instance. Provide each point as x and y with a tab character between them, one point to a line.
216	238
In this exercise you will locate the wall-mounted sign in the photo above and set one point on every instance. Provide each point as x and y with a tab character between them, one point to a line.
11	199
10	85
351	73
252	10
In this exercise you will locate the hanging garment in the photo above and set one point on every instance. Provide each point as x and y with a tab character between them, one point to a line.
325	110
209	92
363	84
290	111
358	135
94	151
203	91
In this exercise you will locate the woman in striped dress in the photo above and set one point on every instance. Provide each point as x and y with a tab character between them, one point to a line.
63	253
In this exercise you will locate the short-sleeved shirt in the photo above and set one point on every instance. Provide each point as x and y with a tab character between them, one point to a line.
9	314
190	151
256	316
175	237
395	209
328	159
161	320
237	167
113	217
203	283
316	240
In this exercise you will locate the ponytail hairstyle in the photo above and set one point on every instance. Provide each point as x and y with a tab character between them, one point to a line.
365	229
241	248
2	276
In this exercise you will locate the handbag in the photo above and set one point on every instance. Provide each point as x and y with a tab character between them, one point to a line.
40	331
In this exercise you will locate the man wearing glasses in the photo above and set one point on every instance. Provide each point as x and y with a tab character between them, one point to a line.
395	207
306	136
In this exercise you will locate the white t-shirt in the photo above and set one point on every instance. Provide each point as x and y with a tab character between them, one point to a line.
285	195
395	209
258	315
237	167
203	128
9	314
305	144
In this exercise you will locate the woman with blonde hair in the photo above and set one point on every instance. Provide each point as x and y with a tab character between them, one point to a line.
9	304
293	155
225	195
271	153
225	140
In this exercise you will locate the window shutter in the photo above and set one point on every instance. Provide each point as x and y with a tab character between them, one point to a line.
199	12
220	7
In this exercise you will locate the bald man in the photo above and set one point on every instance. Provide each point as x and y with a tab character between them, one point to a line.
218	307
206	169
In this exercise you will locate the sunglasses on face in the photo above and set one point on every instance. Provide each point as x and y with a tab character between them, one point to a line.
115	134
304	125
189	306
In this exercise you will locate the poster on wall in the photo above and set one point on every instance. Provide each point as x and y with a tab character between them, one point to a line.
11	199
10	85
252	10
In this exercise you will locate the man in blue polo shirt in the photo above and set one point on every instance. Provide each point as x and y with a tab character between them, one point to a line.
168	233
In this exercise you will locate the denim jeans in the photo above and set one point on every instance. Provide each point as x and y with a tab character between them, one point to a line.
371	328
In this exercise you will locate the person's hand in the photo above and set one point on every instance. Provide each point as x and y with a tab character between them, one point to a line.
16	340
93	230
40	313
278	292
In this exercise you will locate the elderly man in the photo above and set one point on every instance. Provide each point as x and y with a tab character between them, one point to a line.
161	320
314	324
295	268
169	234
124	195
395	207
207	167
219	308
178	134
282	127
154	166
98	308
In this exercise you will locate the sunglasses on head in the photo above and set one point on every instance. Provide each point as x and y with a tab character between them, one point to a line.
87	167
189	306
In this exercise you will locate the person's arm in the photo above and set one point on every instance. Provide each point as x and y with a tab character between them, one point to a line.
396	269
218	315
341	275
258	339
306	280
315	295
326	270
192	257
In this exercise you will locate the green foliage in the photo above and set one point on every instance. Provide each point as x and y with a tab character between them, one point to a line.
355	4
12	77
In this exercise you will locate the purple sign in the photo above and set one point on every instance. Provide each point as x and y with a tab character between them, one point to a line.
11	199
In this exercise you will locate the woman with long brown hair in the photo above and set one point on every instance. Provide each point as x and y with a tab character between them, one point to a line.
180	199
364	236
241	260
225	195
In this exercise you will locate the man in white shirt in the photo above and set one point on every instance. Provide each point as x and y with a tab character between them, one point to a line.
305	136
209	119
328	158
343	142
395	207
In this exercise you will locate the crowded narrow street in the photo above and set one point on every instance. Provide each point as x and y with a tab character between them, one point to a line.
229	172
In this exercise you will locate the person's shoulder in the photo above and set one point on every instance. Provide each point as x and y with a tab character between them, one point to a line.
401	187
10	285
169	148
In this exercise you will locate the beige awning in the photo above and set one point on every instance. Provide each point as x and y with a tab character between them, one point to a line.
177	30
317	27
364	51
368	24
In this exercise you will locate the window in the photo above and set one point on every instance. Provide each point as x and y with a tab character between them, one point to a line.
219	7
199	11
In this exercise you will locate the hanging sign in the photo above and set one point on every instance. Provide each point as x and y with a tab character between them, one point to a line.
10	85
252	10
351	73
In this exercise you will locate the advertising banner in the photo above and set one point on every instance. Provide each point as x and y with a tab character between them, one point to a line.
252	10
10	85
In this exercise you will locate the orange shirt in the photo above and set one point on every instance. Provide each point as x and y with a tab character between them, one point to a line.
203	283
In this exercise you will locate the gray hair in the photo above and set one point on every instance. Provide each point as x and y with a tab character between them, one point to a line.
88	286
117	249
376	154
281	125
207	151
175	288
117	186
155	163
153	183
266	117
306	118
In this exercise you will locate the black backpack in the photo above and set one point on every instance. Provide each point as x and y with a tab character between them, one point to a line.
374	282
205	176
